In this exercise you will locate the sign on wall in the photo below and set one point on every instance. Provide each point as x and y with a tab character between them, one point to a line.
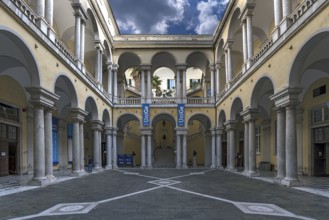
55	140
146	115
181	115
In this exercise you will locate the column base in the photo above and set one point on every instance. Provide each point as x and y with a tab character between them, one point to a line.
245	172
231	169
142	167
185	167
51	179
289	182
108	167
76	173
285	24
220	167
43	181
278	180
276	34
149	166
178	167
253	174
98	169
83	173
212	167
115	167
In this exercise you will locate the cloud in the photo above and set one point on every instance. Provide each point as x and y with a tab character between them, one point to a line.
148	16
209	13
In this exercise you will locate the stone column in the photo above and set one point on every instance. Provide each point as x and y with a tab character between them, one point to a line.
98	64
219	149
108	149
277	12
299	140
82	42
149	151
82	147
286	8
49	11
115	154
291	145
48	144
143	164
115	82
212	83
230	127
41	99
184	85
178	150
218	70
178	85
77	35
228	57
244	41
97	126
39	6
213	149
281	145
149	85
246	148
109	79
184	165
250	39
39	146
76	149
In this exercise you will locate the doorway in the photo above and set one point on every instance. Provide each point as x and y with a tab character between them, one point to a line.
320	162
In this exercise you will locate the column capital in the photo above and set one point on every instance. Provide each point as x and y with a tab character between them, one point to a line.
42	97
220	130
98	45
212	67
230	125
109	65
108	130
146	131
78	114
247	10
146	67
97	125
115	67
79	10
219	66
181	67
286	97
228	44
181	131
250	114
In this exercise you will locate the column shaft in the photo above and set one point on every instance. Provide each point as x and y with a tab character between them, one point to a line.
184	84
219	151
115	84
49	12
252	147
277	12
76	149
48	144
110	81
250	37
218	72
286	8
115	154
232	149
178	151
246	147
244	41
281	145
82	147
96	150
143	152
109	151
149	86
291	144
184	151
178	86
149	151
213	149
39	144
143	84
212	82
40	7
82	41
77	38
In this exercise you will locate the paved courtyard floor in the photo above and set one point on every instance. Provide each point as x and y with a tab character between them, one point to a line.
164	194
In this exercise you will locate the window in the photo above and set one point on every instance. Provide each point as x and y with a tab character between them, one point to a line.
8	132
3	131
257	141
170	84
12	132
320	114
194	83
319	91
129	82
8	112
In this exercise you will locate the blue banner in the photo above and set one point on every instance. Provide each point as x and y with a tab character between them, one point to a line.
181	115
55	140
70	131
146	115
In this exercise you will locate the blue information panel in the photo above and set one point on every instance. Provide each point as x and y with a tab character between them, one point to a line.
181	115
146	115
55	140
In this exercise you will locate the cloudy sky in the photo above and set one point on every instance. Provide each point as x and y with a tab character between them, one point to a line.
168	16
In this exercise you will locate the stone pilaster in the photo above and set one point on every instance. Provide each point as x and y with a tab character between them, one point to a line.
108	132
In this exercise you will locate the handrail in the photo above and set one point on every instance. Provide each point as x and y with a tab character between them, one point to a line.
301	9
23	7
198	100
164	100
129	101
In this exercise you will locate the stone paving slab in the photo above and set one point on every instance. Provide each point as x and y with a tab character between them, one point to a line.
163	194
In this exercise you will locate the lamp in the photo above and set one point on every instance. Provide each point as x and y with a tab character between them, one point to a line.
164	123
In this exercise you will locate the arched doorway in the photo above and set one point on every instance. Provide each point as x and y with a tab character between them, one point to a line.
164	141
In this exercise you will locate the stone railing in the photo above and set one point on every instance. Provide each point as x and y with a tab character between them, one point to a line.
195	136
197	101
63	48
264	48
236	78
25	9
165	101
301	9
129	101
133	89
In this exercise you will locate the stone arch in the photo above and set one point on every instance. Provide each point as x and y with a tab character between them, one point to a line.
220	56
91	108
234	25
68	97
163	116
260	96
128	60
203	119
311	61
199	60
163	59
124	119
107	52
221	118
17	60
106	118
91	23
236	108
